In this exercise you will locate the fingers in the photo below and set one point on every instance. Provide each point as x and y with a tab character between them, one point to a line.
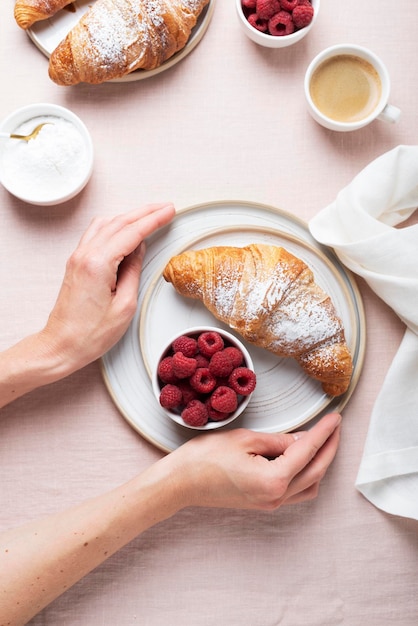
305	485
129	272
148	221
298	455
302	459
127	230
302	496
270	445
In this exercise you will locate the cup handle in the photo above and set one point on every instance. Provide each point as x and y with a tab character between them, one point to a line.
390	114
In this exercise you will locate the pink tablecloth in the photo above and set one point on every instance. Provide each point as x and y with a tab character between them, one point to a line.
228	122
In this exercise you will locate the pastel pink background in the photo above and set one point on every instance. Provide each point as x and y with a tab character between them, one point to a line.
228	122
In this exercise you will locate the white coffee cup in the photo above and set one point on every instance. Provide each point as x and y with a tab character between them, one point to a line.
346	87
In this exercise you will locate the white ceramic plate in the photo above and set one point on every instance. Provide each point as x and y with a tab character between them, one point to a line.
47	34
285	398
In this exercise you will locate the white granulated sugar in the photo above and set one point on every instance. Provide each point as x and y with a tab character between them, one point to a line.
48	166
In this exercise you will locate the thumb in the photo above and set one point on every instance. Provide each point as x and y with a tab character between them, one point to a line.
272	445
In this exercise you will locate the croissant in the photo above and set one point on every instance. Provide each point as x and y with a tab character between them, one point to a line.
27	12
116	37
271	299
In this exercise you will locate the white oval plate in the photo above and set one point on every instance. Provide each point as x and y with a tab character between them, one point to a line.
47	34
285	398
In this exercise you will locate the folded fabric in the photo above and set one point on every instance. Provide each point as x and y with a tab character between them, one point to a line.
359	226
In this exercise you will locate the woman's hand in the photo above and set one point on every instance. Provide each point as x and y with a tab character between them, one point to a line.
98	297
95	305
244	469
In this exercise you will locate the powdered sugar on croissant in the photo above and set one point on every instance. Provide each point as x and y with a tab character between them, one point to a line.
270	297
116	37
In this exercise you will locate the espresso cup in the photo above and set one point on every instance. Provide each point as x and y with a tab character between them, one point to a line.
347	87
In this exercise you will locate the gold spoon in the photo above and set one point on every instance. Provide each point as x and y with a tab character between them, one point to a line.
32	135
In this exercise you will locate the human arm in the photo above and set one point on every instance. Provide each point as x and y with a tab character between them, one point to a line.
39	561
94	307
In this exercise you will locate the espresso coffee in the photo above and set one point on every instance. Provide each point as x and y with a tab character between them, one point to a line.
345	88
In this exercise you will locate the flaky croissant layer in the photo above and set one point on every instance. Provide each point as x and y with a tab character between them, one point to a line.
270	298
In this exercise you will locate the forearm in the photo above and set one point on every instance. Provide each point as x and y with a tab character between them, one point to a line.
41	560
236	468
29	364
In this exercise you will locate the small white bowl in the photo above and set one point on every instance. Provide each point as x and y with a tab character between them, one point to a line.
271	41
57	167
229	339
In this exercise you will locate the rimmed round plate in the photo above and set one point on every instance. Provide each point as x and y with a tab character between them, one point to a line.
47	34
285	398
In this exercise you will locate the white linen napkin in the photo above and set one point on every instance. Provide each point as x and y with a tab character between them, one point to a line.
359	226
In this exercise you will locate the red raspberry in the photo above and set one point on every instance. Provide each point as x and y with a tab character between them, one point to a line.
201	360
265	9
221	364
224	400
215	416
256	22
222	382
209	343
281	24
235	355
165	370
183	366
202	380
249	4
243	381
188	393
302	15
195	413
289	5
185	344
170	396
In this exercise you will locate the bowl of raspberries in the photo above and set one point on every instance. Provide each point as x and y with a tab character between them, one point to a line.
204	378
277	23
